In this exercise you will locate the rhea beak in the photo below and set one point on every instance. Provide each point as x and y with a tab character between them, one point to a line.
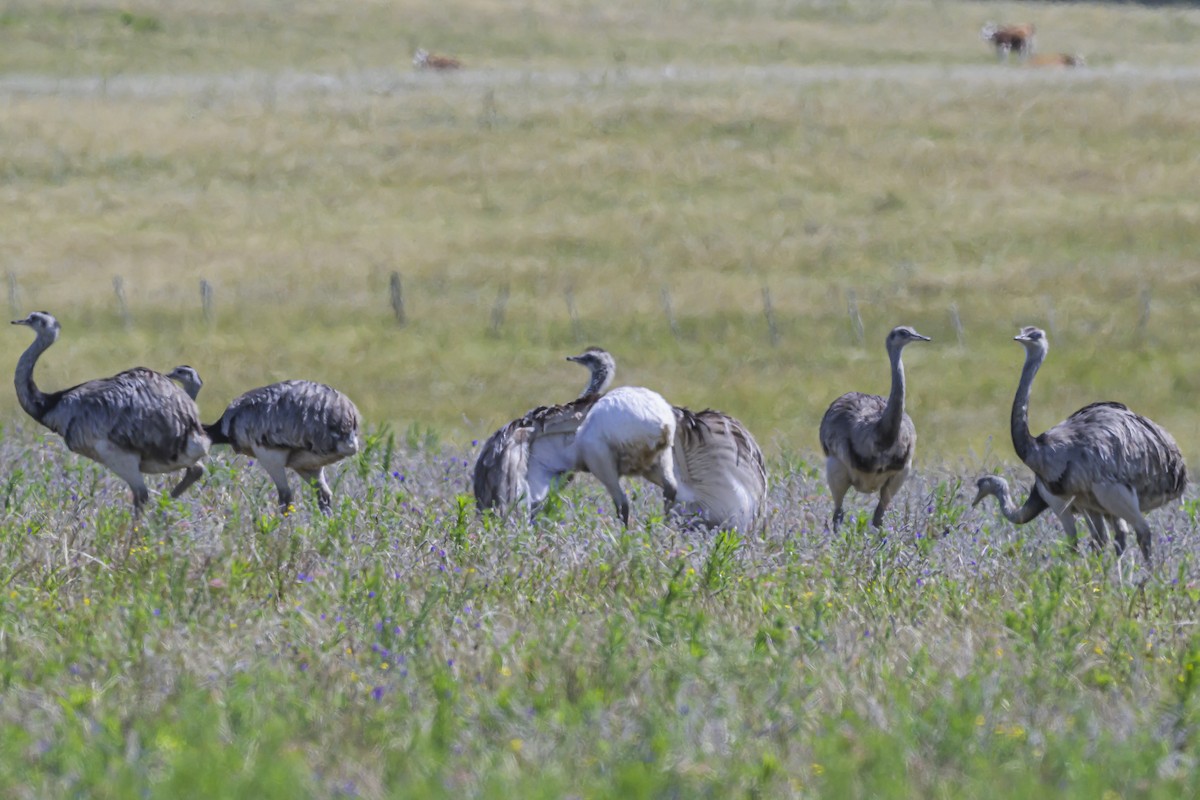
20	322
574	358
978	497
925	338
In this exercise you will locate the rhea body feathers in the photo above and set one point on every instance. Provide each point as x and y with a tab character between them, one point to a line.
1103	459
299	425
721	475
629	431
134	422
717	466
624	432
868	440
316	424
521	462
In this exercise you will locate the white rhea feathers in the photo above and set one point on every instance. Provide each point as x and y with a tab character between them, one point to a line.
715	466
520	463
629	431
299	425
135	422
720	472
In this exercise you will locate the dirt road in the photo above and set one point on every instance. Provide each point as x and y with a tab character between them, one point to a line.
397	81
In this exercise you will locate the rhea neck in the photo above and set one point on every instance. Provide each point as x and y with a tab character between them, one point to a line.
893	412
35	402
191	385
1023	441
999	490
602	378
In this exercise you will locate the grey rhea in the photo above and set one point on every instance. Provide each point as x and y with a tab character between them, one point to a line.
299	425
1035	504
718	467
869	441
1104	460
135	422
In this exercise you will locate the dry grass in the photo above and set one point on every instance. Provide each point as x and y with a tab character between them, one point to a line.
1064	201
112	38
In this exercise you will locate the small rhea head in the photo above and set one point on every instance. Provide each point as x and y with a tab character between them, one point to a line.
188	378
902	335
40	321
992	485
602	366
1033	339
421	58
185	374
988	31
593	355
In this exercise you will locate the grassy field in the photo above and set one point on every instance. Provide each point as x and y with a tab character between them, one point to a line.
402	648
641	176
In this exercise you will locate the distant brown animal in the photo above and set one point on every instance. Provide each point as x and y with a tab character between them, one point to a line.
1007	38
1057	60
423	60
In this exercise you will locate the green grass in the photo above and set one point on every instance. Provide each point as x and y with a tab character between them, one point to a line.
404	647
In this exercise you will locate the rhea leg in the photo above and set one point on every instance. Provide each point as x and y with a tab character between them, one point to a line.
127	466
275	464
1062	509
324	495
886	493
604	467
838	478
536	487
190	476
1120	528
1122	502
662	473
1095	523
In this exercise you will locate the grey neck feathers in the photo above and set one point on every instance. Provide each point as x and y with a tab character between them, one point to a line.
1022	440
1007	508
1034	505
602	378
889	423
32	399
1006	503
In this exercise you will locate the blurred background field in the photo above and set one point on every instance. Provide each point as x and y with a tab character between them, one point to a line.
641	176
